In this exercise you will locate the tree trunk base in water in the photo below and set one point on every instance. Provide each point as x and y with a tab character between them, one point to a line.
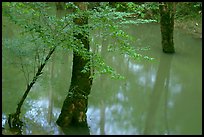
72	130
14	121
170	51
74	114
73	119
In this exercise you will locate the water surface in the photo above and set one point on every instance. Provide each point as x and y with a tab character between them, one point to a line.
162	96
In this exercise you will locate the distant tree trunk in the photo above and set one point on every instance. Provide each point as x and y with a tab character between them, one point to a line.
167	11
73	112
59	5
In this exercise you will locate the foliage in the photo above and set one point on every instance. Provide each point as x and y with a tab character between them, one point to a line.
142	10
48	30
186	10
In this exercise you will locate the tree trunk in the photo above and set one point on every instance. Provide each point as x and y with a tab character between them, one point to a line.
73	112
60	5
167	11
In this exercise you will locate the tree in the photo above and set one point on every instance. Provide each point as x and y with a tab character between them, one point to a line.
167	11
14	118
73	112
70	32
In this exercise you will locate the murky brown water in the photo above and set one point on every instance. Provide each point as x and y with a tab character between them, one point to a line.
163	96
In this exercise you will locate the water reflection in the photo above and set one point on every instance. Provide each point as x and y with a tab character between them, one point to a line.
37	117
156	97
162	81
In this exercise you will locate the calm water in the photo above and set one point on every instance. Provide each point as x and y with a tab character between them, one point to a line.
163	96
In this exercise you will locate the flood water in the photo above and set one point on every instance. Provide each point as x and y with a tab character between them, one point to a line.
162	96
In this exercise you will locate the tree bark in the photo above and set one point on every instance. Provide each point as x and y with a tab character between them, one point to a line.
167	11
73	112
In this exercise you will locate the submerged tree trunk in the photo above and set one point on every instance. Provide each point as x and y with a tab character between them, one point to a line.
73	112
167	11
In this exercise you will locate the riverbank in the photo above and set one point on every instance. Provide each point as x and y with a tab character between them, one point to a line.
190	25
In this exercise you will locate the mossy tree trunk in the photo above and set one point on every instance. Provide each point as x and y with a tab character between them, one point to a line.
167	11
73	112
